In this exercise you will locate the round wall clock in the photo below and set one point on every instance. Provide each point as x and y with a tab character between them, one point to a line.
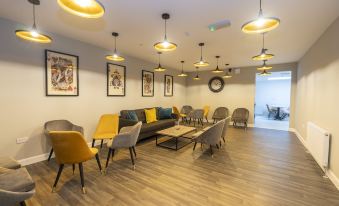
216	84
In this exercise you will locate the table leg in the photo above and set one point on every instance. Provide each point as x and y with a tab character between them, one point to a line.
176	143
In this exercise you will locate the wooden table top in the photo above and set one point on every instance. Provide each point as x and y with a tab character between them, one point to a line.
176	131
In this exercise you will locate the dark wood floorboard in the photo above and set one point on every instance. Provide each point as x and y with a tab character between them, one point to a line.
257	167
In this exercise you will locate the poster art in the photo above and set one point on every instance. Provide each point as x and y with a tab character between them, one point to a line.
116	80
147	83
168	86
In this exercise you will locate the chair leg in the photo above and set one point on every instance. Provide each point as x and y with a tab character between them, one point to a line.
220	143
132	158
81	169
113	151
217	146
50	155
73	167
98	161
108	156
102	141
201	146
135	154
206	120
93	142
23	203
61	167
195	144
223	138
211	150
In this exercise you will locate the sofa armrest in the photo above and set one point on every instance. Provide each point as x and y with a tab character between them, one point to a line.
126	122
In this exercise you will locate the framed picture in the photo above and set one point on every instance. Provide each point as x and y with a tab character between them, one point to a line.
116	80
62	74
168	86
147	83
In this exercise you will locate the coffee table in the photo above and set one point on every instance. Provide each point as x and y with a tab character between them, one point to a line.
175	133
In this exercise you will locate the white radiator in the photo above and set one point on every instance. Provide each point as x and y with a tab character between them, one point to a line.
318	144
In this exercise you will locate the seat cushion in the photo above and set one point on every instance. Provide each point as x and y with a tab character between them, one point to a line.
94	150
17	180
158	125
9	163
151	115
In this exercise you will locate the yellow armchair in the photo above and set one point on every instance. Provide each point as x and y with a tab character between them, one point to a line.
206	111
175	111
107	128
70	147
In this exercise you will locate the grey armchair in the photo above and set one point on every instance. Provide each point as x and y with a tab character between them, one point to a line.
225	129
240	116
210	136
60	125
219	114
197	114
127	138
186	109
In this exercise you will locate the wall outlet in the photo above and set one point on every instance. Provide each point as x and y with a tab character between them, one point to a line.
21	140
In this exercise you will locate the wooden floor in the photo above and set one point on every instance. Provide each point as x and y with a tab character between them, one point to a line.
257	167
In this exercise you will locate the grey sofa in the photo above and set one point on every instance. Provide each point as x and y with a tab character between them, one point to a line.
147	129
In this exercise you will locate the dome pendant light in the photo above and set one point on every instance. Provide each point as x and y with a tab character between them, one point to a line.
264	67
159	68
115	57
197	75
263	55
33	34
182	74
165	45
265	73
217	70
261	24
228	73
201	63
83	8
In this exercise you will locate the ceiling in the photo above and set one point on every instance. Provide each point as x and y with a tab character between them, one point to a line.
140	26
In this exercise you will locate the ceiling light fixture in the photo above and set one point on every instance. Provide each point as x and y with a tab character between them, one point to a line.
265	73
261	24
197	75
217	70
201	63
33	34
263	55
159	68
228	73
165	45
264	66
182	74
115	57
83	8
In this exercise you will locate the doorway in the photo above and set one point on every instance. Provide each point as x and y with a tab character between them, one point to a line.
272	100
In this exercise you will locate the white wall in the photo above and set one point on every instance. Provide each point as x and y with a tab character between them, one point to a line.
277	92
24	108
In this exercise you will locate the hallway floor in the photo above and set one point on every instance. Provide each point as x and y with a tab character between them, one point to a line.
264	122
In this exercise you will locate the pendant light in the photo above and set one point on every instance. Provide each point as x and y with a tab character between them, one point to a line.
33	34
263	55
165	45
228	73
201	63
217	70
159	68
264	67
182	74
197	74
265	73
83	8
115	57
261	24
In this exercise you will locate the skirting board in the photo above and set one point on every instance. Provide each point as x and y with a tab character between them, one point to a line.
329	173
43	157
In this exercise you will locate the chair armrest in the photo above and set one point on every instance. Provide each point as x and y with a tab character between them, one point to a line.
126	122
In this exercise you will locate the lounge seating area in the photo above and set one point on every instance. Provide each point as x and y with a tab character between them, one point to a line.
221	103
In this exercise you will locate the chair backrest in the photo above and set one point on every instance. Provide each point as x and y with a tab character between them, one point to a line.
70	147
220	113
225	128
108	126
186	109
197	113
134	132
58	125
175	110
206	110
213	134
268	108
128	138
240	114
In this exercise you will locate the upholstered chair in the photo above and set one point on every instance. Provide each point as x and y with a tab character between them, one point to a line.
70	147
240	116
186	109
179	115
127	138
60	125
197	114
107	128
219	114
206	111
211	136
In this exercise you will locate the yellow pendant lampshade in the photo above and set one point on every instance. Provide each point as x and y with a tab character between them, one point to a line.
115	56
264	67
263	55
159	68
265	73
201	63
228	73
261	24
197	74
182	74
217	70
83	8
165	45
33	34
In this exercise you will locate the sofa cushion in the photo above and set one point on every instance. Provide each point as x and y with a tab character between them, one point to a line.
131	115
165	113
16	180
151	115
158	125
9	163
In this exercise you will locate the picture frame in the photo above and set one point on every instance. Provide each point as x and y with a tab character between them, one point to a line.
168	86
147	83
61	74
116	80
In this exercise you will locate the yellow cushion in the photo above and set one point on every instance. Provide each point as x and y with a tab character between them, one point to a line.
151	115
